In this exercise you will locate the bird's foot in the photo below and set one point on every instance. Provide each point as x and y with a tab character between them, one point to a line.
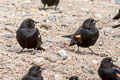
40	48
20	51
34	52
94	53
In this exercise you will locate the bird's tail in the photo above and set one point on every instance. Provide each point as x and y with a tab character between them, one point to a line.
68	36
115	26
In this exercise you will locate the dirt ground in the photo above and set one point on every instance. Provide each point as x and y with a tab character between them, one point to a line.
66	20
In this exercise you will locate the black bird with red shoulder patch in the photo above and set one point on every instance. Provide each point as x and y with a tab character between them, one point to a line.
28	36
50	3
86	35
109	71
34	73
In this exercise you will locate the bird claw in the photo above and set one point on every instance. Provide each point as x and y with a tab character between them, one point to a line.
20	51
40	48
34	52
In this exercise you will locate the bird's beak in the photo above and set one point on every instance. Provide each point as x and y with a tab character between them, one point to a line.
95	21
42	68
36	22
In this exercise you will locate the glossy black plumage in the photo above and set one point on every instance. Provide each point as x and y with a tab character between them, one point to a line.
74	78
108	71
34	73
28	36
117	16
50	3
86	35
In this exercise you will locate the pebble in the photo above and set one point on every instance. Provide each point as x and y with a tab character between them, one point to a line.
9	35
62	53
58	77
52	59
38	61
116	36
117	1
94	61
27	1
98	15
86	69
8	45
100	43
107	29
52	18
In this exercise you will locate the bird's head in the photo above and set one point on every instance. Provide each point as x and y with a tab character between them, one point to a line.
35	70
89	23
28	23
107	62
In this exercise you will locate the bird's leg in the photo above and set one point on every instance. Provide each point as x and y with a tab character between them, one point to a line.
44	6
78	50
20	50
55	8
92	51
35	51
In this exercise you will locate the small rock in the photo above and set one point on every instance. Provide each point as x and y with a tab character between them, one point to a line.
39	61
62	53
94	61
9	35
45	26
86	69
51	59
108	29
98	15
100	43
117	1
27	1
116	36
8	45
58	77
52	18
103	55
85	9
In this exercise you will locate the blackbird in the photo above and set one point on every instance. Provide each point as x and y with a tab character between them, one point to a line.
28	36
86	35
50	3
74	78
34	73
108	71
116	17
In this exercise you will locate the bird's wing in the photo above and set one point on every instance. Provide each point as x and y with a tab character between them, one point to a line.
27	77
85	33
26	33
117	70
39	36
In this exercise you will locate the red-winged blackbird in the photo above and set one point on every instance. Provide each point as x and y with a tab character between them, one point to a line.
86	35
28	36
109	71
74	78
117	16
34	73
50	3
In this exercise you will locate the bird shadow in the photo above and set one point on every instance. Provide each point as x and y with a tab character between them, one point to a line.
25	51
46	9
